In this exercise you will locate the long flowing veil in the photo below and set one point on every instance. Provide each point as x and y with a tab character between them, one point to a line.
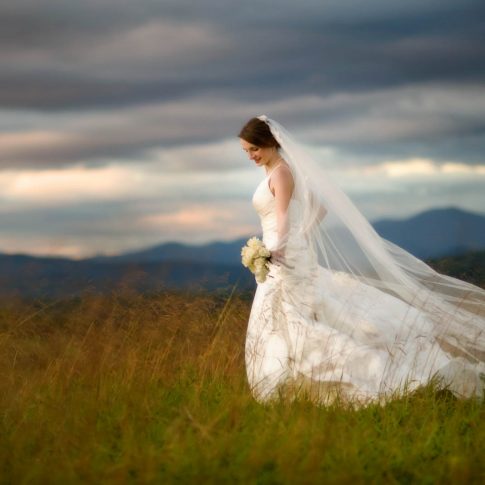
344	241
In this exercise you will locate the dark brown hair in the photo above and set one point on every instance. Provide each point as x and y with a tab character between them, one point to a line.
258	133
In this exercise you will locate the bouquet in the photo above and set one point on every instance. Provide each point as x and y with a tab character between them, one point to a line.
255	256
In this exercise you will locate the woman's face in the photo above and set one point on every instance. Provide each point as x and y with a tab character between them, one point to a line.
261	156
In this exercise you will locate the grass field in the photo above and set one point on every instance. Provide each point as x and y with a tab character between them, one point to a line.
152	389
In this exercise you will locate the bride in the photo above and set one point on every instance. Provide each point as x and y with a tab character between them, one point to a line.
343	313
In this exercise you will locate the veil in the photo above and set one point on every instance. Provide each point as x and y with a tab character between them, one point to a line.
344	241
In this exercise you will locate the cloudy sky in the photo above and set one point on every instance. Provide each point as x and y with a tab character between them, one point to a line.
118	119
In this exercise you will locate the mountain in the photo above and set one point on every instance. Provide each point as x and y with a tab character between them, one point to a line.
216	252
430	234
217	266
436	233
28	276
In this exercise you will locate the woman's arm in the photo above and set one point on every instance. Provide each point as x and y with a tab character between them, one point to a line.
283	185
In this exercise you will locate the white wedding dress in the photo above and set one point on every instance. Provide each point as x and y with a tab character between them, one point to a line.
325	332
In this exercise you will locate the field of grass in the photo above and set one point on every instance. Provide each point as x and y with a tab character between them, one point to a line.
152	389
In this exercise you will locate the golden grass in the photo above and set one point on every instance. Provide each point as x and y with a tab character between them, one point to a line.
130	388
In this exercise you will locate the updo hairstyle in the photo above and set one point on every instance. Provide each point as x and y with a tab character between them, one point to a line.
258	133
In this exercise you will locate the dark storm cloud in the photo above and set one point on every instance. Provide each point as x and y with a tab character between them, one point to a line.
117	79
440	123
51	49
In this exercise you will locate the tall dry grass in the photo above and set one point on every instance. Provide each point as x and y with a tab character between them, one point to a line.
130	388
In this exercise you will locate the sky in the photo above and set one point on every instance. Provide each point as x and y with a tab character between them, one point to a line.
119	119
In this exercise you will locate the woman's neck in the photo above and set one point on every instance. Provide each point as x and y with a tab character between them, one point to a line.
269	166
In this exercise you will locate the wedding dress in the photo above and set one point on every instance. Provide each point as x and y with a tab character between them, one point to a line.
315	328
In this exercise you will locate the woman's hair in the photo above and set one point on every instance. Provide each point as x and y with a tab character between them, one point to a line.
258	133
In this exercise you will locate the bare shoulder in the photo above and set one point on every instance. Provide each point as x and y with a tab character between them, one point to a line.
282	176
281	180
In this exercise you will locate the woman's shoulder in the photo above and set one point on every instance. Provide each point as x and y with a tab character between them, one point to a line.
283	174
282	178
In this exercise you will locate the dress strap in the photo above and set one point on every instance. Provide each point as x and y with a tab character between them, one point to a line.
269	175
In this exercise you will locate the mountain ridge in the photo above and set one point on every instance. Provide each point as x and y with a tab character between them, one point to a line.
432	233
217	266
423	234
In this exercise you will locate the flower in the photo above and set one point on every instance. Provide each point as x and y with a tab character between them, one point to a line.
255	256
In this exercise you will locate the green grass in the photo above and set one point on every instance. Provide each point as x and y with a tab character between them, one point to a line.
138	389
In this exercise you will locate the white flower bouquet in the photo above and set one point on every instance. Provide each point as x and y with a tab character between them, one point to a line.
255	256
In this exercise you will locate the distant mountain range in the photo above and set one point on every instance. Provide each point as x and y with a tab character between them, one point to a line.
27	276
431	234
436	233
215	253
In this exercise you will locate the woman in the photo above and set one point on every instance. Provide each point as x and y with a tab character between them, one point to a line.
343	312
